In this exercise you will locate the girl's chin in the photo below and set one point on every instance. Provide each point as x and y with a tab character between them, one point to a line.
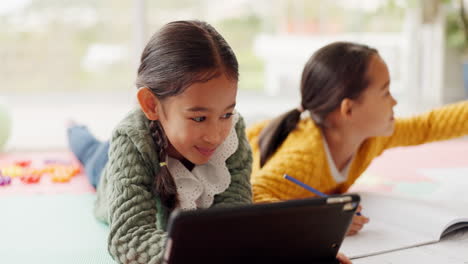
200	160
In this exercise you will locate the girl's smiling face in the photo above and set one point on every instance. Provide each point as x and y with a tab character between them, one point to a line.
198	120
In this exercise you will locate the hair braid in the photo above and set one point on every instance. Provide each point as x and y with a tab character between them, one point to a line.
164	184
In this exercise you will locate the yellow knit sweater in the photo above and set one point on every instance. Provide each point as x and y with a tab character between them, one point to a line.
302	154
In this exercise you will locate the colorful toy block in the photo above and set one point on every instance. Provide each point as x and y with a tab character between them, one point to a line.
13	171
5	180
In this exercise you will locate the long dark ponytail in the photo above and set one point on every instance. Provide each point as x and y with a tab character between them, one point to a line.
333	73
180	54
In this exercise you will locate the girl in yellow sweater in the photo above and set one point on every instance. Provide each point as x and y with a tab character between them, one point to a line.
345	120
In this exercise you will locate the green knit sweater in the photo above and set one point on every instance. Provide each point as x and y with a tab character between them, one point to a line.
124	199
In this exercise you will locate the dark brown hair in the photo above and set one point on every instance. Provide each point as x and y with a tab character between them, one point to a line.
178	55
333	73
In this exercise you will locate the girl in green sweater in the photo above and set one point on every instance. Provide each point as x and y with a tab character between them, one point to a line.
184	147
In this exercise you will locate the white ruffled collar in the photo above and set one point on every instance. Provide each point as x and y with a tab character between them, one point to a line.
197	188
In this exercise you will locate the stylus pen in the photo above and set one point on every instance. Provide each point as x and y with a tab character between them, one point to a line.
309	188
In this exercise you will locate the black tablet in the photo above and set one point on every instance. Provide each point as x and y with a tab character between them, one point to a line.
297	231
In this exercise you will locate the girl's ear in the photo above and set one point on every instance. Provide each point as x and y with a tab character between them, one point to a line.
346	108
148	103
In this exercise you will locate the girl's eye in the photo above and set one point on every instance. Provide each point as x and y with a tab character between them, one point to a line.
227	116
199	119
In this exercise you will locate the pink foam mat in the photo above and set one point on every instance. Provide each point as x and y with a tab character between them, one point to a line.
409	166
405	163
77	185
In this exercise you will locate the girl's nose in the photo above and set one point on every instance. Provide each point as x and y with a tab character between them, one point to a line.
214	135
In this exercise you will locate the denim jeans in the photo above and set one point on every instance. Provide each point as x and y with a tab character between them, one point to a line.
92	153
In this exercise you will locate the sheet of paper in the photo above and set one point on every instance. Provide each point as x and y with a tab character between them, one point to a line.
450	250
397	223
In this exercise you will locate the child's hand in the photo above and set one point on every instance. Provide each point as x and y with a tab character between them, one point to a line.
358	222
343	259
